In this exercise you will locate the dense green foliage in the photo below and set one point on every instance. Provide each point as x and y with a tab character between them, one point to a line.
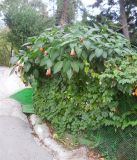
24	21
81	77
109	13
5	48
66	11
114	144
72	50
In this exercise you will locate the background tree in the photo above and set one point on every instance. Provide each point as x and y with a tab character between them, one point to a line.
123	19
5	47
38	5
66	11
24	19
111	11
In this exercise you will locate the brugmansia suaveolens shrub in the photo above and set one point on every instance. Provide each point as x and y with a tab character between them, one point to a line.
83	77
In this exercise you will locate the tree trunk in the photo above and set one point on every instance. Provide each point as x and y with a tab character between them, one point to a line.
123	19
64	15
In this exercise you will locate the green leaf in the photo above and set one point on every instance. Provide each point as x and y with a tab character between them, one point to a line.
104	55
49	63
37	60
97	28
72	45
54	55
58	66
66	42
38	44
69	73
75	66
26	59
66	66
44	61
81	65
78	51
27	67
36	73
91	57
118	51
84	55
87	44
98	52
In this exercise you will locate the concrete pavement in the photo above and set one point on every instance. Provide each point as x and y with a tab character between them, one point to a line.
16	140
17	143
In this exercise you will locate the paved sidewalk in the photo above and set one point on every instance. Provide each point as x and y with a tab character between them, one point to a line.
17	143
16	140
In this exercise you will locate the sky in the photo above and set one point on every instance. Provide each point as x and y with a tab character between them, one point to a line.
88	2
85	2
94	11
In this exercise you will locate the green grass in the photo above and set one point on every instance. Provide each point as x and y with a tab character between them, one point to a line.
25	98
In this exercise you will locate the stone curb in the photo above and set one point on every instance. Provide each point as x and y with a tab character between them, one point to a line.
43	132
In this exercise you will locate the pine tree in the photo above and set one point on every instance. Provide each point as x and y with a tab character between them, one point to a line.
122	13
66	11
123	19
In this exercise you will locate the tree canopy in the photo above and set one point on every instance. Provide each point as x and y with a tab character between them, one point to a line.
24	19
111	12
